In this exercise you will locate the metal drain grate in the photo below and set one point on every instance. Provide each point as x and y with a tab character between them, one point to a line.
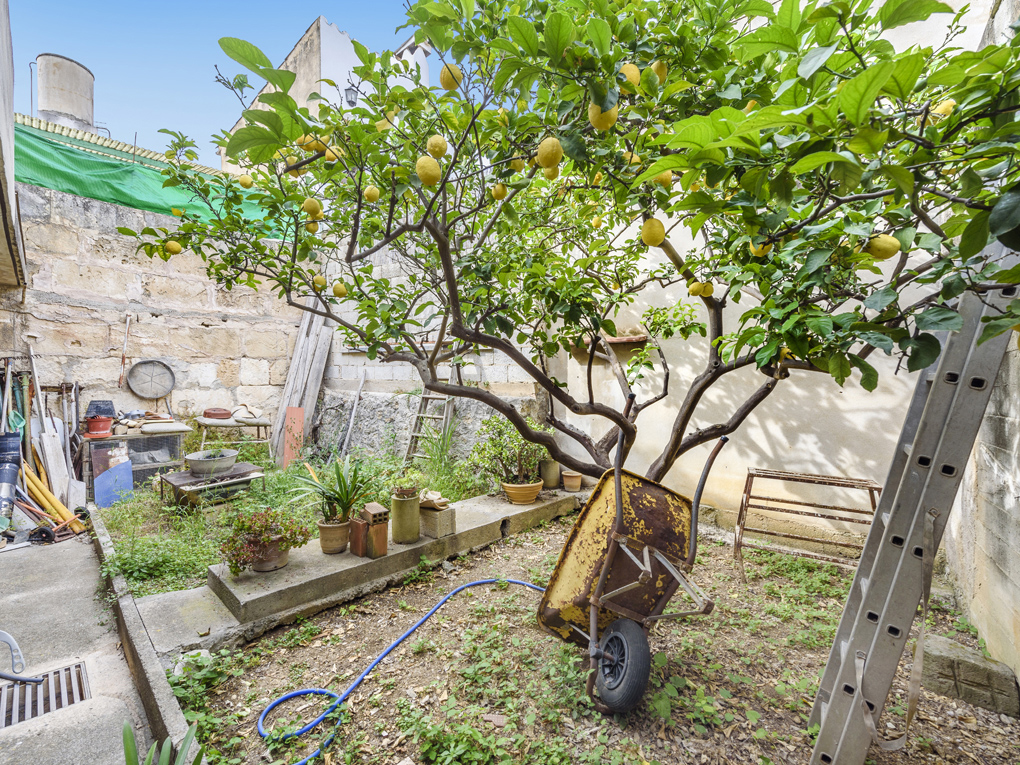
59	688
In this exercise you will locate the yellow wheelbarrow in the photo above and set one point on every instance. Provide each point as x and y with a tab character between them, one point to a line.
627	555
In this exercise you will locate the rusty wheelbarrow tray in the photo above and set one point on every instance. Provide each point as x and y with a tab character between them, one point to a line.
629	552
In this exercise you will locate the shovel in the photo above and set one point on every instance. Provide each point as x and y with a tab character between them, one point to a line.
75	488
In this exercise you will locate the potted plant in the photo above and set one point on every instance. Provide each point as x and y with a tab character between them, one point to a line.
346	488
503	455
261	538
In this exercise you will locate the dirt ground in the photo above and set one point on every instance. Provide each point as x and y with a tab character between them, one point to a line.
481	683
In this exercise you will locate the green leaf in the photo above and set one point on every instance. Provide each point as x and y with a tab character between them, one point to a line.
601	35
895	13
246	54
904	77
130	746
468	8
903	178
559	33
880	300
767	39
975	236
281	79
574	147
789	14
925	351
606	98
938	317
867	140
249	137
1005	215
265	117
523	33
869	376
859	94
815	260
815	160
125	231
820	325
815	60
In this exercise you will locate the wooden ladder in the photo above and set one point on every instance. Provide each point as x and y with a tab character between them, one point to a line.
427	414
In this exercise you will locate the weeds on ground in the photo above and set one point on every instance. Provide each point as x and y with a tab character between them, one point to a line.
192	688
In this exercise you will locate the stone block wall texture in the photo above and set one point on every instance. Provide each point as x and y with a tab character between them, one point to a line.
84	279
982	539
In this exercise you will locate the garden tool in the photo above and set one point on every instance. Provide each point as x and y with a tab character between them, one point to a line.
17	662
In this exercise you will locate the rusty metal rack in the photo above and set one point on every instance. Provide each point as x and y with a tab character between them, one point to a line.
763	503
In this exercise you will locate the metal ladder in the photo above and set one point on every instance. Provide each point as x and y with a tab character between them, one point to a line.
427	414
942	422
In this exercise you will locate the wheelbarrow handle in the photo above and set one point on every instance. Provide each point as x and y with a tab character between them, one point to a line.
618	466
696	503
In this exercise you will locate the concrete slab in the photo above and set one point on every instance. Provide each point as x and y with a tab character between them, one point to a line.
314	580
87	733
185	620
953	670
53	604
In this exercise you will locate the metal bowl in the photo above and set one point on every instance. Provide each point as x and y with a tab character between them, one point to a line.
204	465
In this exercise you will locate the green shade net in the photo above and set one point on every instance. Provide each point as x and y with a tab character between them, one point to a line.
57	164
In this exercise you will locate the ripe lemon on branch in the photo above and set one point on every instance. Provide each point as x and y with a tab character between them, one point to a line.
428	171
450	77
601	120
653	233
550	152
436	146
882	247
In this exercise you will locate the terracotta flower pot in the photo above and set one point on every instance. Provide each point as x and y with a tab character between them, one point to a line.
272	557
522	493
333	537
571	480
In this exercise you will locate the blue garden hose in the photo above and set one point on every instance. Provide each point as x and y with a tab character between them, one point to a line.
339	699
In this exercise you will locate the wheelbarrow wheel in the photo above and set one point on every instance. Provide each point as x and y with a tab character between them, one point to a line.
623	671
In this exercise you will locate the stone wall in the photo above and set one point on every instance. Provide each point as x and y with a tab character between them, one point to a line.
84	279
982	540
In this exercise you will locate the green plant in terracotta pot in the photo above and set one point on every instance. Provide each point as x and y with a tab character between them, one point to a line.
261	539
504	456
345	488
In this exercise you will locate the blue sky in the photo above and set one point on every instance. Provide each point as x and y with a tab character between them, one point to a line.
154	62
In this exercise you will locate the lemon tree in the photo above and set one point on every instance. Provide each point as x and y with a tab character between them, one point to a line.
777	178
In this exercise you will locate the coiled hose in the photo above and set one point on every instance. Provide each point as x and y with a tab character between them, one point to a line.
340	698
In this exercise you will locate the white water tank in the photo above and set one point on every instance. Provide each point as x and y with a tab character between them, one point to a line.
65	91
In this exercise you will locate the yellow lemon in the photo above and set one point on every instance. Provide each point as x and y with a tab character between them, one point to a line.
665	178
311	227
428	171
333	155
340	290
596	222
760	250
450	76
882	247
552	173
944	108
173	247
550	152
311	206
632	158
246	181
311	143
436	146
320	282
598	177
499	192
632	73
707	289
601	120
371	194
661	70
653	233
694	289
518	164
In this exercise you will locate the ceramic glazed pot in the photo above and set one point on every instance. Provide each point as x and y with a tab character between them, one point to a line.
273	557
522	493
571	480
333	537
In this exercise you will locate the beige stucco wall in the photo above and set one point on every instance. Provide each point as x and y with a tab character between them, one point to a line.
84	279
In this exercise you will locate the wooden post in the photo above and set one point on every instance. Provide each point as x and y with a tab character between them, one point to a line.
293	434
